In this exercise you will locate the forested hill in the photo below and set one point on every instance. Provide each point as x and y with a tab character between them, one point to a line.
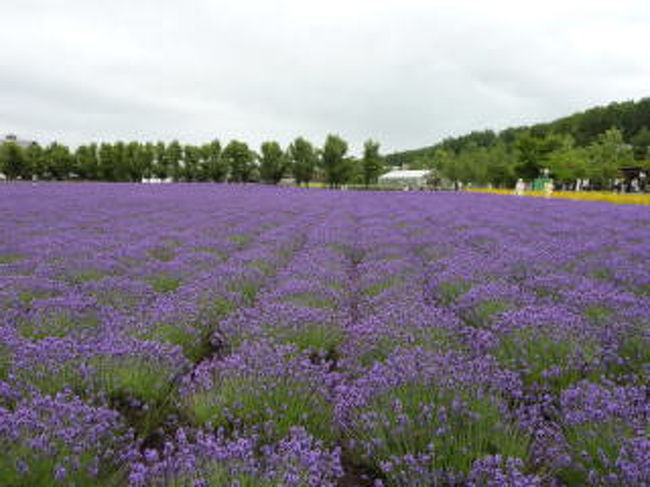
631	118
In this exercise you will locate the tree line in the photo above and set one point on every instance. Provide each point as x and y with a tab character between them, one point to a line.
236	162
593	145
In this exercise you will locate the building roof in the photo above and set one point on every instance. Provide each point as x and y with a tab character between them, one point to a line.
406	174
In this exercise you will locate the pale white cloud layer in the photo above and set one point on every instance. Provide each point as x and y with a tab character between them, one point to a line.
406	72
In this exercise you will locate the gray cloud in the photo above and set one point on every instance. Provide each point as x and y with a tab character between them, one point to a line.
405	72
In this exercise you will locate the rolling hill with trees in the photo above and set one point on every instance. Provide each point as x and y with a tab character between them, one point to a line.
593	144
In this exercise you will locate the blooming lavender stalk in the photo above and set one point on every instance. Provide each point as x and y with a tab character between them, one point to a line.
61	438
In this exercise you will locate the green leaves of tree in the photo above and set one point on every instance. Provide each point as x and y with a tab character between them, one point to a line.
333	160
273	162
302	158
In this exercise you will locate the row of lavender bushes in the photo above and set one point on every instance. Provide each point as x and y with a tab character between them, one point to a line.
223	335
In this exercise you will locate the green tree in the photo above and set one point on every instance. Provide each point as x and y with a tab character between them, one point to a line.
215	167
352	171
58	161
302	160
533	151
333	160
121	162
173	160
106	162
240	161
191	163
161	167
273	162
372	163
607	155
473	164
145	156
441	160
501	165
202	170
132	161
530	152
86	163
447	162
568	162
34	160
641	144
12	160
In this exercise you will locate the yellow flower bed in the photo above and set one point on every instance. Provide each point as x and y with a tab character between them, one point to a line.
609	197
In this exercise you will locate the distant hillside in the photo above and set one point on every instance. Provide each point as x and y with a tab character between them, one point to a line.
632	118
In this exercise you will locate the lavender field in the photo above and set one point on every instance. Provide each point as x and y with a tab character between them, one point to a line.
208	335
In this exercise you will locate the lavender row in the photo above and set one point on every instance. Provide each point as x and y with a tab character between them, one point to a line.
229	335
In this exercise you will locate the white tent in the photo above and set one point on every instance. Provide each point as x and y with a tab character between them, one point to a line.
405	178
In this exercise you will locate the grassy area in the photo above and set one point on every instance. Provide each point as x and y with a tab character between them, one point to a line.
316	184
609	197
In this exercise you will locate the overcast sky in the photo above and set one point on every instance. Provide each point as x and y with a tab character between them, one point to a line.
405	72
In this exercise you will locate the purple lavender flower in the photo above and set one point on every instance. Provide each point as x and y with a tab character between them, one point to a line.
249	335
45	438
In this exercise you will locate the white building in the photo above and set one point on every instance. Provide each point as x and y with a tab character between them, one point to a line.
405	178
153	180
